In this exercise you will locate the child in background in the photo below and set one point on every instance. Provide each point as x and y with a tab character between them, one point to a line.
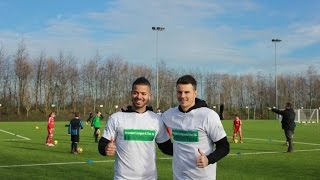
50	129
96	125
74	131
89	118
237	128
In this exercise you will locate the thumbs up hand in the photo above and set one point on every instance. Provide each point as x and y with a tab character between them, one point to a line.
111	148
202	160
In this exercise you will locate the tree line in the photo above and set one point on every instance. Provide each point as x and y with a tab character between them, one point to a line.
31	87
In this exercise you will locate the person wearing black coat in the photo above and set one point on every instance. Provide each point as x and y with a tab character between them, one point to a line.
287	122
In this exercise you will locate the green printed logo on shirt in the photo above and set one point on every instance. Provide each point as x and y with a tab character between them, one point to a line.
185	136
139	135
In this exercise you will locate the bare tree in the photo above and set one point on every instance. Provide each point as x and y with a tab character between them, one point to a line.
50	82
2	72
89	75
75	87
62	80
7	77
167	79
39	65
23	70
213	89
70	85
227	89
311	77
299	91
27	101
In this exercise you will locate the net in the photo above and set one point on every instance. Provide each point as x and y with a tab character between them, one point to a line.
307	115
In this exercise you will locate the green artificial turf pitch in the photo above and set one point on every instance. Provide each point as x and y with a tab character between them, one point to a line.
24	155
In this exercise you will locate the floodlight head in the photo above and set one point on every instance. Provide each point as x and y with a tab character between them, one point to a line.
158	28
276	40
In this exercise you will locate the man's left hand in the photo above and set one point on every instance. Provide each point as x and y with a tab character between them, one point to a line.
202	160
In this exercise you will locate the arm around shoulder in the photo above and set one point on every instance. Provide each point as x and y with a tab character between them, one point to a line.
222	149
103	142
166	147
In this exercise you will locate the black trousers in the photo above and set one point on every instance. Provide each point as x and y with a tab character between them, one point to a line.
95	134
289	136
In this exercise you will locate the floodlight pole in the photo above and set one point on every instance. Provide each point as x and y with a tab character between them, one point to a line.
275	41
157	29
247	107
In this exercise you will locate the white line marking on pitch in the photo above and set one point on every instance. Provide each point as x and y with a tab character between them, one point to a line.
52	164
274	140
16	139
275	152
15	134
165	158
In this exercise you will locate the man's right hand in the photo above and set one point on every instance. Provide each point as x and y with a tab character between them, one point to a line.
111	148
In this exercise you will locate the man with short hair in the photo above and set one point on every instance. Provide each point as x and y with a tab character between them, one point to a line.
195	130
287	123
132	135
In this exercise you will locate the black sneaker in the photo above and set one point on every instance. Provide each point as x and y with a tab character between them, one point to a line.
290	150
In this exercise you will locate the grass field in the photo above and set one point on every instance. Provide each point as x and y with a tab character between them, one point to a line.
23	154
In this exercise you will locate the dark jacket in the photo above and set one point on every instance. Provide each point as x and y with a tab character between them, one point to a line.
288	116
75	126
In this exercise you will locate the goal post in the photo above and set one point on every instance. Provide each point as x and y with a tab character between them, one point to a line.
307	115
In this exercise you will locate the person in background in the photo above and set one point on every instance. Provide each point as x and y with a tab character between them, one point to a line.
237	123
221	115
199	139
50	129
74	130
159	111
89	118
132	134
287	123
96	125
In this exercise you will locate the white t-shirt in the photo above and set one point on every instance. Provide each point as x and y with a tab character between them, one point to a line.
198	128
135	135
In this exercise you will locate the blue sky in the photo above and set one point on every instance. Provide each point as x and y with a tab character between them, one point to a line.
220	36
